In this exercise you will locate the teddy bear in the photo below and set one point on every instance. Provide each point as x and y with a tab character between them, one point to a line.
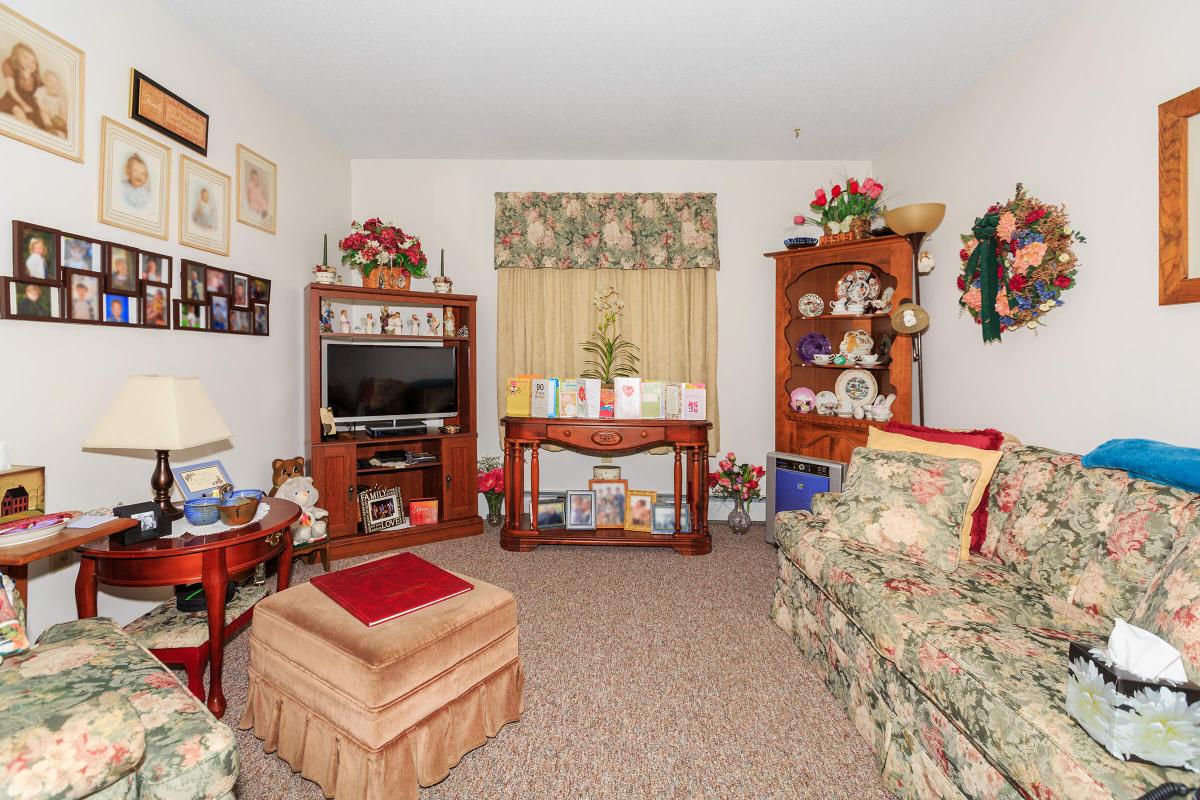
282	469
311	525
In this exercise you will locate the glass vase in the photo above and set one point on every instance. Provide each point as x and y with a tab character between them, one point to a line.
739	518
495	502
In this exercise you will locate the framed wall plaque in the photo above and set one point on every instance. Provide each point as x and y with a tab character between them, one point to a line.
155	106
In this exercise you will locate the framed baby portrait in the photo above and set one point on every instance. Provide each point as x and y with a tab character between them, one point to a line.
135	173
43	101
256	190
35	252
203	207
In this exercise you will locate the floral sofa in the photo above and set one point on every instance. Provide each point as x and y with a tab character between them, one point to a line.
957	679
89	713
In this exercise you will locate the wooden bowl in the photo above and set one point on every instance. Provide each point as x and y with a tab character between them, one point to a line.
239	511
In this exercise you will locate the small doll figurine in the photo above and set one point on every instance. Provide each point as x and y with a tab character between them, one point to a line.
414	325
370	323
396	324
344	320
433	323
326	316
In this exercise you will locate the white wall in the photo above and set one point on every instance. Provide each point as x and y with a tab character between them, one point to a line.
449	204
1074	117
59	378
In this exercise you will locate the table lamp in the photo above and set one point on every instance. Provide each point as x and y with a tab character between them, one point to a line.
915	222
159	413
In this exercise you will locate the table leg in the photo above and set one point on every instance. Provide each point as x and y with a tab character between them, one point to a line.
19	573
533	487
215	577
518	484
284	578
509	461
85	588
703	489
678	486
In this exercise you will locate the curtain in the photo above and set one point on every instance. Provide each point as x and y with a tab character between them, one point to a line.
623	230
544	314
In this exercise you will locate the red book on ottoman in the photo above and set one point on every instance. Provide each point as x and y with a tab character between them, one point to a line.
391	587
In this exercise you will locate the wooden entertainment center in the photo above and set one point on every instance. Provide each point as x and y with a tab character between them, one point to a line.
334	461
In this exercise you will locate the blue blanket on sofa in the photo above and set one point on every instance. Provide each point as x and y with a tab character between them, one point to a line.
1150	461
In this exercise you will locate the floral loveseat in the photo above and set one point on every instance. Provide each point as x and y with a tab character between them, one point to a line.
957	679
89	713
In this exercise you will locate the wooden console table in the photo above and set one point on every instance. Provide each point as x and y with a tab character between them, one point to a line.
606	437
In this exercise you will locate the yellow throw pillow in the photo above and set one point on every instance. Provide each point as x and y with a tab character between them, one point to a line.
878	439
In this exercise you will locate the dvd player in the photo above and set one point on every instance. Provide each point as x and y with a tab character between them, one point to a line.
410	429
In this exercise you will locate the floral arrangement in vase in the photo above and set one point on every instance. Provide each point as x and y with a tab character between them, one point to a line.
387	257
491	486
1028	246
612	355
846	211
739	483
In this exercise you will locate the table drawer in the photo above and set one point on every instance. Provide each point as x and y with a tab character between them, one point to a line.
608	437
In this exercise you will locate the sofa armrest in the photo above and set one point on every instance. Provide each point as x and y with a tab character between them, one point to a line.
823	503
70	752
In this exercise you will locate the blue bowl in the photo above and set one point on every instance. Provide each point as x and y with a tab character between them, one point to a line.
202	510
794	242
253	494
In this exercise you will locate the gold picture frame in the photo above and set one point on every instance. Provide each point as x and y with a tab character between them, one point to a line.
204	198
135	181
639	509
47	54
250	166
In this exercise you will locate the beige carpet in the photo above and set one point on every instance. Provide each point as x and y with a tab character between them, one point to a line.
648	675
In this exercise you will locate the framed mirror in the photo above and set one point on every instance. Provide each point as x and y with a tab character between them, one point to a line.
1179	220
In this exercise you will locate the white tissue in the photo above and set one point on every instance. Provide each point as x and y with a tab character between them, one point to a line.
1144	654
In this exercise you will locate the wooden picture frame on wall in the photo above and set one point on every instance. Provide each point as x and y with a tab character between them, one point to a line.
1178	252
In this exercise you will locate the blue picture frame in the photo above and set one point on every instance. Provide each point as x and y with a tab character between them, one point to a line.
663	518
201	480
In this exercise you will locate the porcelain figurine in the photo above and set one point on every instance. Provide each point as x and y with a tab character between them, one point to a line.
414	325
370	327
448	320
433	323
464	331
344	320
326	316
395	324
925	262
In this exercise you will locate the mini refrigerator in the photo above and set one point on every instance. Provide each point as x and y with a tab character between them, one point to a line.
792	480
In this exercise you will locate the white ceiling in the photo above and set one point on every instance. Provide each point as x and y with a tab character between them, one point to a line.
637	79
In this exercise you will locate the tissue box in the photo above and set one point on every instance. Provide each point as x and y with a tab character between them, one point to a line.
1122	712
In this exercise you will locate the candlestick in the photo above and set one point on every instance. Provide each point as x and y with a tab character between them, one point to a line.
325	252
442	268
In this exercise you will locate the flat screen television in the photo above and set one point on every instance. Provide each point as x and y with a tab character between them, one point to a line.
376	382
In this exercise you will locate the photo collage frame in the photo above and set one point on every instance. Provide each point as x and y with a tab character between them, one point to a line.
221	300
66	277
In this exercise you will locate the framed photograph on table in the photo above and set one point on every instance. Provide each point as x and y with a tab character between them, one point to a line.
135	174
35	252
610	501
203	207
256	190
664	518
581	509
381	510
423	511
551	512
151	523
43	104
204	479
639	510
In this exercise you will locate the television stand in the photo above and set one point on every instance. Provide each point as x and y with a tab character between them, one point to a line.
340	464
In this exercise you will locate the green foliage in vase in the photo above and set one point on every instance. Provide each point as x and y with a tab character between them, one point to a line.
611	355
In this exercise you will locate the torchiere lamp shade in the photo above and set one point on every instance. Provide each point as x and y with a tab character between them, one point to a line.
158	412
915	218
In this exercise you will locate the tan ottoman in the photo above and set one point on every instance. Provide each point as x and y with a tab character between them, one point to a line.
373	712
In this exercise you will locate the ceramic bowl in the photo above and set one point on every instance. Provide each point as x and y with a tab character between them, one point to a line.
794	242
238	511
253	494
202	510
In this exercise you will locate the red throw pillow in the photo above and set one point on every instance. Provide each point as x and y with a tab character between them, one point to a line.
984	439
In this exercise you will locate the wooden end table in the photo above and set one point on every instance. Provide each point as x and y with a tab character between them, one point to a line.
15	560
192	559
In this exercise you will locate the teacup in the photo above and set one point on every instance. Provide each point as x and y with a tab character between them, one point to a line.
868	358
855	308
821	358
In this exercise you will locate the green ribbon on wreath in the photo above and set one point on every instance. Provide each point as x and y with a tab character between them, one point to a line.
983	262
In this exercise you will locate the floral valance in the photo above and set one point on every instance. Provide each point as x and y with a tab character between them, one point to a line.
588	230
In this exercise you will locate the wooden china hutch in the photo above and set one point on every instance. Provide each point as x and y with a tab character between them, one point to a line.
338	463
818	270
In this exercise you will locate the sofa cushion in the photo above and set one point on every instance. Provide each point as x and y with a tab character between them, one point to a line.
894	599
13	640
906	502
1150	518
165	627
188	754
1059	520
1015	460
1171	605
987	458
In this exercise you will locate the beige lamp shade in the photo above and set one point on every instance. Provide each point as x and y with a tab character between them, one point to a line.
915	218
158	412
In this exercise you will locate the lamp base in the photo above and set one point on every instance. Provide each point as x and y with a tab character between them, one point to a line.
162	481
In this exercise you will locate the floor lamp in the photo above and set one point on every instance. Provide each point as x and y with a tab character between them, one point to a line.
915	222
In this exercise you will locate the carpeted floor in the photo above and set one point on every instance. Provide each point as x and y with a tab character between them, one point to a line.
648	675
